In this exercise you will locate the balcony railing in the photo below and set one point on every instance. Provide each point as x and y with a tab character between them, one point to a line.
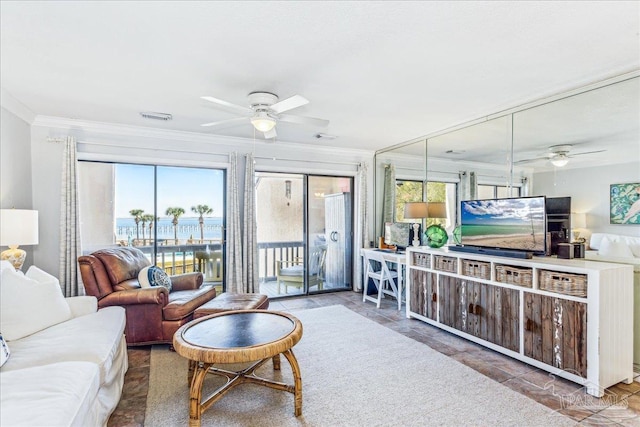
184	258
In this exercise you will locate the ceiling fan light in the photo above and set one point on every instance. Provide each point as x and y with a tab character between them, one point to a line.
560	162
263	122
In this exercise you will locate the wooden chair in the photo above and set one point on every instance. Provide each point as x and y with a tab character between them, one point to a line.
291	272
210	265
385	280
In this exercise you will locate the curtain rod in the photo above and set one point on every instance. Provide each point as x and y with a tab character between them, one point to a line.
309	161
110	144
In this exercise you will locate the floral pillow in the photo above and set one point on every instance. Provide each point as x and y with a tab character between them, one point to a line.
154	276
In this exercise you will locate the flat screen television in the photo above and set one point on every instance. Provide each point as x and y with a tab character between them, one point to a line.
513	223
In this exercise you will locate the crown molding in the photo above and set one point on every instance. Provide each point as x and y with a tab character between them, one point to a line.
88	127
11	104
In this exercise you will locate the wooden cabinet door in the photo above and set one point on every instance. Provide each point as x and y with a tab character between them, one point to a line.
424	297
452	294
555	332
493	314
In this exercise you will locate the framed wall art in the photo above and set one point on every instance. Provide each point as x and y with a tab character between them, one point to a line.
624	205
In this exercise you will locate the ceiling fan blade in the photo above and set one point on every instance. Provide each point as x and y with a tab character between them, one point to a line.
521	162
311	121
228	106
271	134
225	123
586	152
289	104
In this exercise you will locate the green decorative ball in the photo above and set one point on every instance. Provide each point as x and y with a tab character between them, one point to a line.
457	235
436	236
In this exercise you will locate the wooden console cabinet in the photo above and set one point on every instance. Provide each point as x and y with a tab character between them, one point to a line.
573	318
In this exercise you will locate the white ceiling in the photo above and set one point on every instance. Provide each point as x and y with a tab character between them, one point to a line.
381	72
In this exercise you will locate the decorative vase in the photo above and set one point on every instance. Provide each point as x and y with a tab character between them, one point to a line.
457	235
436	236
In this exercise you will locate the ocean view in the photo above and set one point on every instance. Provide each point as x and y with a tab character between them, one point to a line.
187	227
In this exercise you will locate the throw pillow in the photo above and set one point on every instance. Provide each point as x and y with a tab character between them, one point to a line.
154	276
4	351
5	264
614	249
30	303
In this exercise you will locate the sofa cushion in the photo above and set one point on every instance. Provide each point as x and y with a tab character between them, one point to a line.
183	303
122	263
154	276
616	249
91	338
61	394
30	303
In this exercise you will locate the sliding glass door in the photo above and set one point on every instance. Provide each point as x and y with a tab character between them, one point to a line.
175	215
304	228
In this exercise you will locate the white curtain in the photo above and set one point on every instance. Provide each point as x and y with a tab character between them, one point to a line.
234	238
389	195
364	226
250	240
468	188
70	247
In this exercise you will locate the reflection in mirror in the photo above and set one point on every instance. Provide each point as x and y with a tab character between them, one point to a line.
405	170
471	163
579	146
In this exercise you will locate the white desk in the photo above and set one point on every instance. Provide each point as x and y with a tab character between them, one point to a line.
399	259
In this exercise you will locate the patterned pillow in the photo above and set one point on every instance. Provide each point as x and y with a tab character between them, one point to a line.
154	276
4	351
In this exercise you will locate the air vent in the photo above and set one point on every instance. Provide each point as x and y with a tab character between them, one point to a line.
454	152
156	116
325	136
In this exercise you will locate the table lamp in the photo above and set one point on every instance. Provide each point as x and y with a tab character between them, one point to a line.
17	227
578	221
416	210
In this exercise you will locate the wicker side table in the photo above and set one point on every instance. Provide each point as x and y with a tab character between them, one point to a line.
240	336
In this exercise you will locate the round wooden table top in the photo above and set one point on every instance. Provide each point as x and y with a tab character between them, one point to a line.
237	336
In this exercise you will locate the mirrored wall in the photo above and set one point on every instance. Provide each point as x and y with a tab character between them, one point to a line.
576	144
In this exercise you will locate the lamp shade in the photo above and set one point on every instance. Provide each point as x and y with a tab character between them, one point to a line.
578	220
18	227
416	210
437	210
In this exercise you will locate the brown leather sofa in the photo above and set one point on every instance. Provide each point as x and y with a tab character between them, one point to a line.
153	314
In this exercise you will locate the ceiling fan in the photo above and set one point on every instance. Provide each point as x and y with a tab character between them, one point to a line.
264	111
558	155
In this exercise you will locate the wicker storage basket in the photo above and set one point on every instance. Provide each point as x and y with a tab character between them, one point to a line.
445	263
514	275
563	283
479	269
421	260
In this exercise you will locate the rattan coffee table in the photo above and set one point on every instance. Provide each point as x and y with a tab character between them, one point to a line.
238	337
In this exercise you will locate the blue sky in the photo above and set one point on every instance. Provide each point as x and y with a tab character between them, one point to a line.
177	187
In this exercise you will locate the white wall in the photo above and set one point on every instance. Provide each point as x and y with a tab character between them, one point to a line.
589	191
15	168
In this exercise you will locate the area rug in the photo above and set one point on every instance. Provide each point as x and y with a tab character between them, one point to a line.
355	372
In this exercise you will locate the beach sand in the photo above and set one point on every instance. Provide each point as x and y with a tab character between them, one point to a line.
520	241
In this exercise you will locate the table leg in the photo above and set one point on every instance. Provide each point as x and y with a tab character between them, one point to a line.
195	394
276	362
297	394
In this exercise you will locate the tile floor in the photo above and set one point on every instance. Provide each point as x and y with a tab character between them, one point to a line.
620	406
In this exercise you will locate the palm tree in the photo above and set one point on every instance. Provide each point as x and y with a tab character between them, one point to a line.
151	222
137	216
144	219
175	213
201	210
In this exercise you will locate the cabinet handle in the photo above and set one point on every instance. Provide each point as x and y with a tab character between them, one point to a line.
434	297
528	325
477	310
470	310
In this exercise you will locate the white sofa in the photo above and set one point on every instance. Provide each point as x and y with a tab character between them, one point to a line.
70	371
626	250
